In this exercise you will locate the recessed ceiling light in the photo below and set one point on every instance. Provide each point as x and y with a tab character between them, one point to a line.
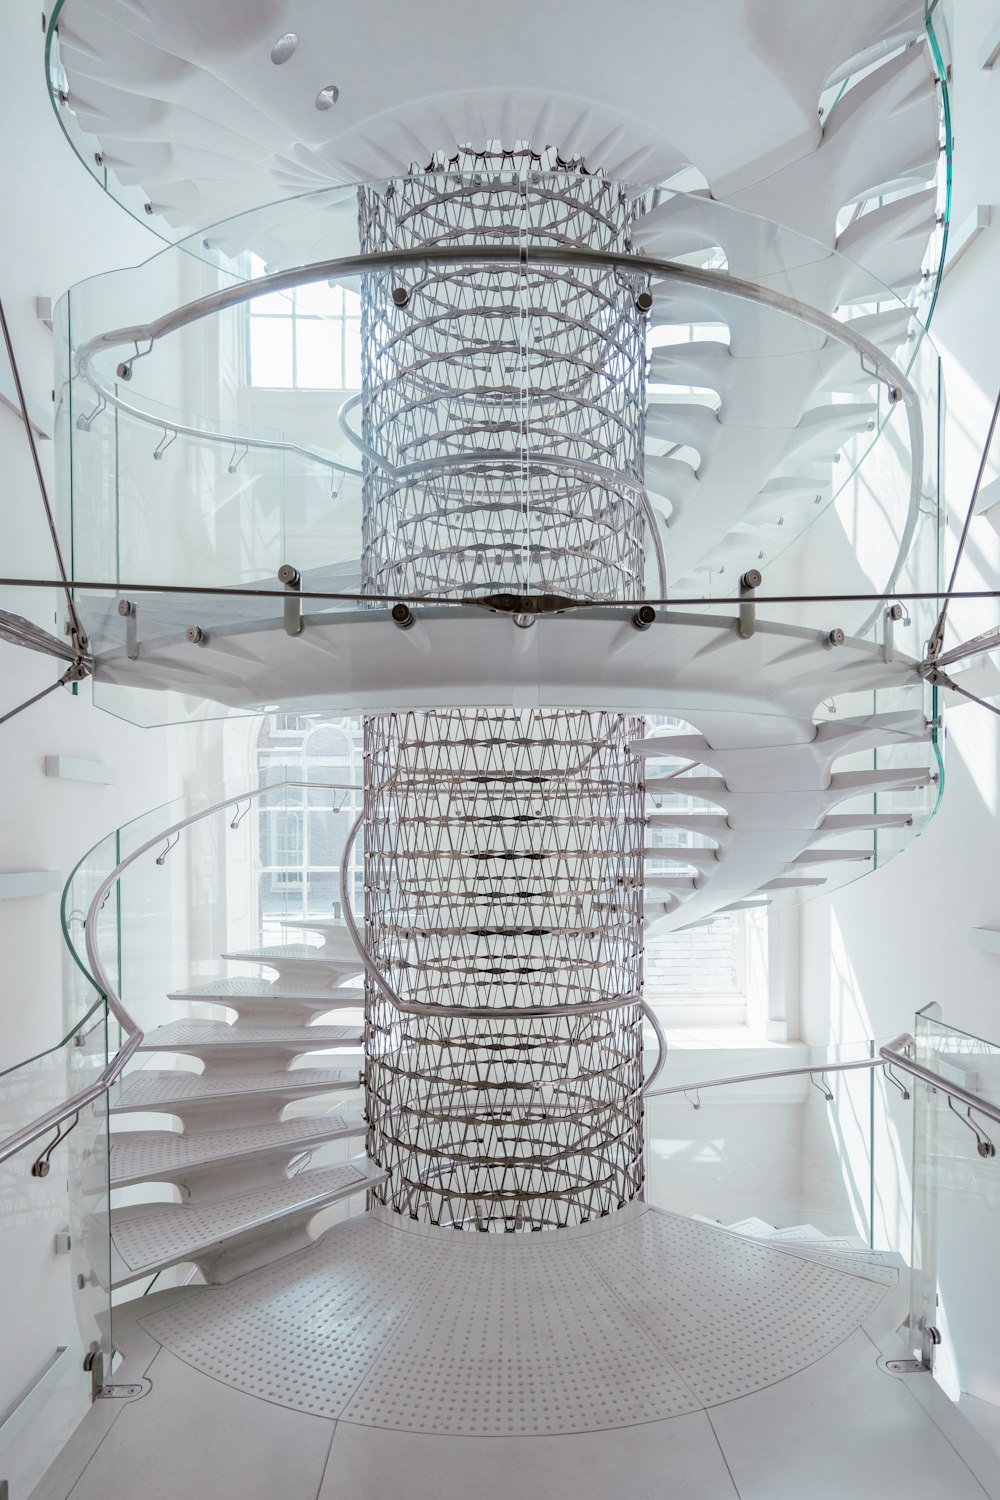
327	98
284	47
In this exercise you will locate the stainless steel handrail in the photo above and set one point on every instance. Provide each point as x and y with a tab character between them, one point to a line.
890	1053
497	457
102	980
874	360
480	1012
903	1039
894	1054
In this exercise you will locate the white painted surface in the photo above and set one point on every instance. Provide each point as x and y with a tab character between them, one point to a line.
964	235
71	768
16	884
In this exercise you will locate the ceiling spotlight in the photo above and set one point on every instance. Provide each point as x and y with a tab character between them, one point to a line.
327	98
284	47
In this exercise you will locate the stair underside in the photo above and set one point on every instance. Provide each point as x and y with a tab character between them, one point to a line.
149	1090
169	1155
149	1237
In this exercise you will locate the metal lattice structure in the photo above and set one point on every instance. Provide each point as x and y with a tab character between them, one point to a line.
503	849
509	406
504	872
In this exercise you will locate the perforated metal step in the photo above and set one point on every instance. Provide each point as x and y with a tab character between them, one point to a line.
294	956
148	1237
170	1156
250	997
152	1090
212	1039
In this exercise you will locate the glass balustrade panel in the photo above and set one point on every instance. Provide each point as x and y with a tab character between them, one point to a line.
55	1304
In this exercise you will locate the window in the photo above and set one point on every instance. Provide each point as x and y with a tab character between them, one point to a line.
301	830
308	338
698	975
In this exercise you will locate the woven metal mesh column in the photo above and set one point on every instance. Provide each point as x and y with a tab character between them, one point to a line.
503	849
503	867
509	402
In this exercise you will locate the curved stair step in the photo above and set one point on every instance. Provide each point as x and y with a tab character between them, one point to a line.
170	1156
297	956
218	1040
186	1093
225	1239
257	997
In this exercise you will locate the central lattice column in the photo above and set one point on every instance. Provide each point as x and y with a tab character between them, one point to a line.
503	849
503	871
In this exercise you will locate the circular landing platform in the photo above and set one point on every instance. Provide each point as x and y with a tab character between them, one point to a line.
638	1317
645	1356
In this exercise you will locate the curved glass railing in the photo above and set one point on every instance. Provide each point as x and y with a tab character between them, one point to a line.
956	1198
55	1308
265	471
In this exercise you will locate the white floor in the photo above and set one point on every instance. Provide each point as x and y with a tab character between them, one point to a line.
642	1355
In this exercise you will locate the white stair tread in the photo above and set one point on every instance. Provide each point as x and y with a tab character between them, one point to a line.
210	1036
875	1265
799	1232
752	1225
246	990
161	1155
146	1237
294	955
316	924
222	988
151	1090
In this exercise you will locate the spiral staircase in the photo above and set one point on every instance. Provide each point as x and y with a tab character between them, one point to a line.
756	204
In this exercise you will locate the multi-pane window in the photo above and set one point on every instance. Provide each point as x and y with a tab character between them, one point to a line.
301	830
704	966
308	338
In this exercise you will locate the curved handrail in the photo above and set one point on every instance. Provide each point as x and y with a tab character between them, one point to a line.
892	1054
102	980
478	1012
206	434
494	457
874	359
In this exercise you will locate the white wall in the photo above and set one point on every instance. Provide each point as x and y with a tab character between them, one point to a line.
875	952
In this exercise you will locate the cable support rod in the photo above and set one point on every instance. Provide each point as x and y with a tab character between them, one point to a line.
936	642
72	675
79	638
936	676
219	591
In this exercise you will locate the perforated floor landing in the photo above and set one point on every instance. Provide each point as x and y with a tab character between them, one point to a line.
633	1319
